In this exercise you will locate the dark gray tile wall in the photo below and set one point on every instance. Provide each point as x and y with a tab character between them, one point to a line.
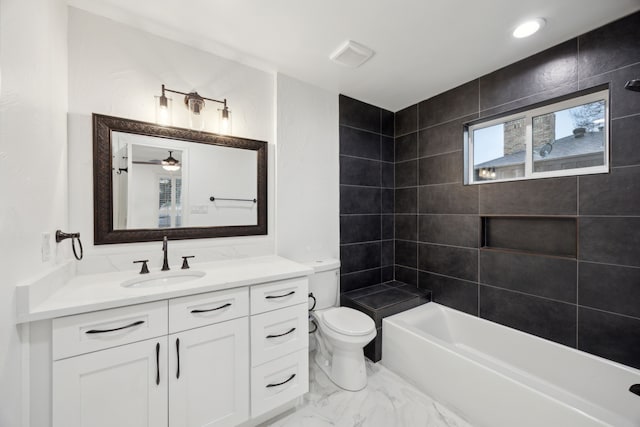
367	186
590	301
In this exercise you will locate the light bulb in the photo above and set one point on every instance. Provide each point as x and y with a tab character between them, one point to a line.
163	110
225	120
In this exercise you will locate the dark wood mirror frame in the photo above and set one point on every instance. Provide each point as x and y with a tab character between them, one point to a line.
103	186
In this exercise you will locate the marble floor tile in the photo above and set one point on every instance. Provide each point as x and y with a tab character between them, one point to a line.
387	401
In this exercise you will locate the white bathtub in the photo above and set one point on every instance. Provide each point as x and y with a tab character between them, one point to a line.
496	376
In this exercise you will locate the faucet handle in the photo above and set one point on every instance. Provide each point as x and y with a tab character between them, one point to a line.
144	269
185	263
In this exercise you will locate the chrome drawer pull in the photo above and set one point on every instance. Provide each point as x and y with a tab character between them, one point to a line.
280	296
283	382
281	335
212	309
102	331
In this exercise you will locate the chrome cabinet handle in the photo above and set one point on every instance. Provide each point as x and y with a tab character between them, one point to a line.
212	309
283	382
283	334
178	354
102	331
280	296
158	364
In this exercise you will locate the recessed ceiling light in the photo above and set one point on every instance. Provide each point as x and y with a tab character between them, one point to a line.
528	28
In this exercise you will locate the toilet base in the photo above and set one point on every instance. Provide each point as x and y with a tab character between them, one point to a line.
346	369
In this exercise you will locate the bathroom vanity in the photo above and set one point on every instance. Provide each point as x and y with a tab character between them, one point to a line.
227	345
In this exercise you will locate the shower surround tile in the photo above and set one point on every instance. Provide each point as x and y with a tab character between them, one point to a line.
367	185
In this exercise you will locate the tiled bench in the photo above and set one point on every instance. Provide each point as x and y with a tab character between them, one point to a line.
380	301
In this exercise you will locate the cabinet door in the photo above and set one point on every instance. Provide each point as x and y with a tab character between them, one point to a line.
124	386
209	375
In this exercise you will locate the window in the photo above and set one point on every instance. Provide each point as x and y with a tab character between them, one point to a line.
569	137
170	202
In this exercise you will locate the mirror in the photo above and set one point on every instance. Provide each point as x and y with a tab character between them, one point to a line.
152	181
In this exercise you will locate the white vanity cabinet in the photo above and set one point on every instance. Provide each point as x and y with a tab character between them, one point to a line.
279	343
196	376
122	386
208	365
110	367
211	359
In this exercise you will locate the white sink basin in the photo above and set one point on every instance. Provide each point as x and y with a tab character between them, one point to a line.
162	279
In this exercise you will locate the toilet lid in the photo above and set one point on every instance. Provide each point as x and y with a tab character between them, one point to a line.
348	321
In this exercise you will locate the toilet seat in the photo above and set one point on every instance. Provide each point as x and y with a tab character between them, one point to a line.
348	321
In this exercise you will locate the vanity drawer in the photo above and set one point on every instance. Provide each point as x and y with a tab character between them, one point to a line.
206	309
83	333
272	296
279	381
279	332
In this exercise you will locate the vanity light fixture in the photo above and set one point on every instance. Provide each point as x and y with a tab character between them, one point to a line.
196	104
171	164
528	28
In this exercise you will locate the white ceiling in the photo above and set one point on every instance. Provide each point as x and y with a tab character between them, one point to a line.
423	47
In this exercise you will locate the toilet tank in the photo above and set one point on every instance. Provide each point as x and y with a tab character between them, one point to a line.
325	282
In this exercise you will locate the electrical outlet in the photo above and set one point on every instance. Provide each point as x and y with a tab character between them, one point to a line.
46	246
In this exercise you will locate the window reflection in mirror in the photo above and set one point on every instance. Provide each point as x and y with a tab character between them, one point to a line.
571	138
499	151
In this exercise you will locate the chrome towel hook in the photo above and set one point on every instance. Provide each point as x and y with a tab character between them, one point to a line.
60	236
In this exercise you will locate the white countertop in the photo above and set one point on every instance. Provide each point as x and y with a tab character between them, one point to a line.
91	292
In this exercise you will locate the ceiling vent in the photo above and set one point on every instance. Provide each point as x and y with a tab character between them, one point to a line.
351	54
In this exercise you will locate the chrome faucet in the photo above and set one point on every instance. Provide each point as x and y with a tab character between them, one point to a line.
165	263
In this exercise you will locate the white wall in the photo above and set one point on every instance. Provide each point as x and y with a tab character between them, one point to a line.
308	171
117	70
33	156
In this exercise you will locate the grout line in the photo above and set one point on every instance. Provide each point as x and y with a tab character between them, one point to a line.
610	216
577	300
360	186
367	242
470	282
524	98
609	312
623	167
625	117
609	264
437	244
578	66
359	271
482	230
528	294
365	158
394	198
363	214
439	154
479	109
613	71
361	129
455	119
381	186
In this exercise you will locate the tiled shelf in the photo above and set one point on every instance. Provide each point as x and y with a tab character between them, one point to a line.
380	301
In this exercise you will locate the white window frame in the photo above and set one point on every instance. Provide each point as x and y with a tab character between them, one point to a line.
528	115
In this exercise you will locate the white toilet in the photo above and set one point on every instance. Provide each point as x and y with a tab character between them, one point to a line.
342	332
